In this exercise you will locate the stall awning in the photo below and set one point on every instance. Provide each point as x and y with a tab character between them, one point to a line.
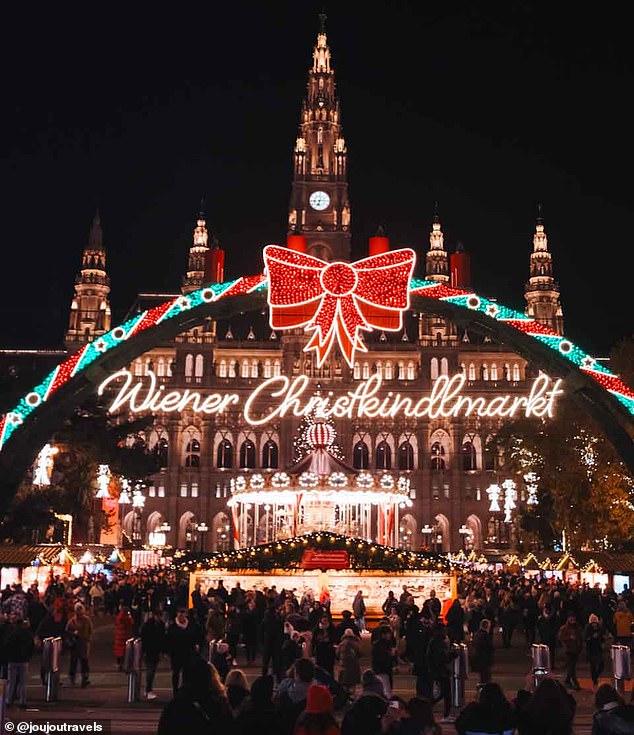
19	555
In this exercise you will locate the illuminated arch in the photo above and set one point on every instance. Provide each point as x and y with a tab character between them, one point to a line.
602	394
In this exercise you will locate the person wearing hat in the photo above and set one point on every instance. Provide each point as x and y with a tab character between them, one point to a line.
594	636
349	661
79	635
612	714
366	713
318	717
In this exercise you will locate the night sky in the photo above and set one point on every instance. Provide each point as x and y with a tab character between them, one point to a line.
487	108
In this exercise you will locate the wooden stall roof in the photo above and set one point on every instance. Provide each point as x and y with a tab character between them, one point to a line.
22	555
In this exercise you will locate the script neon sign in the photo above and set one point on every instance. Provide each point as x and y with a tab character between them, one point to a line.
281	396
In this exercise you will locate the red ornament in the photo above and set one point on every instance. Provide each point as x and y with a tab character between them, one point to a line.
338	300
320	436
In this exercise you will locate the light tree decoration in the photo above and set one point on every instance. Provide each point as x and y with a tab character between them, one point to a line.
531	479
103	481
510	499
44	465
494	492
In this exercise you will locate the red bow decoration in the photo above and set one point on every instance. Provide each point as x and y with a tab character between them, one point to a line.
338	299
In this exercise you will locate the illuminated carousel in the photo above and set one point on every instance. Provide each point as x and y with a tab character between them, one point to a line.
319	493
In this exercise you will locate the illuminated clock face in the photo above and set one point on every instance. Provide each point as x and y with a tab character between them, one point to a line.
319	200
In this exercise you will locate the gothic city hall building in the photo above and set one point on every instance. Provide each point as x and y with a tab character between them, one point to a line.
437	457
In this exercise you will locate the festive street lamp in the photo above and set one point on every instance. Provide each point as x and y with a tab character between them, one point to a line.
426	530
466	534
202	529
138	503
124	499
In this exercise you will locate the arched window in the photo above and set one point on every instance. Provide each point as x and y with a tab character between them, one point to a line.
267	368
192	453
469	456
224	455
389	370
161	367
247	454
270	455
161	452
356	371
360	456
516	372
434	368
494	371
437	461
189	366
383	456
411	371
222	369
232	369
198	367
277	368
379	369
485	371
138	367
366	371
406	456
472	371
254	368
489	456
444	366
401	371
244	369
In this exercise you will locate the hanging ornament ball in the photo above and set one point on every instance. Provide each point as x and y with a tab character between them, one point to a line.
320	435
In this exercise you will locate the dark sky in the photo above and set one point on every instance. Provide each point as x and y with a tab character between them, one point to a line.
487	108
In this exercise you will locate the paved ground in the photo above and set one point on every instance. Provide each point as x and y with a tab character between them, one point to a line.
106	698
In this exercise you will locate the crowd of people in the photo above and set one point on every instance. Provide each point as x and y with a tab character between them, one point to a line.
319	673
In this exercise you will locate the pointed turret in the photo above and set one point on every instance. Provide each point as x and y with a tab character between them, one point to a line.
319	207
437	260
435	329
195	276
90	314
542	291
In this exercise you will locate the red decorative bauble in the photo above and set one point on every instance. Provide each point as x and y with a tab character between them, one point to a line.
320	435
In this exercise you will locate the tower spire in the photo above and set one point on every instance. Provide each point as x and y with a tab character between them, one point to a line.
542	291
90	313
319	208
195	275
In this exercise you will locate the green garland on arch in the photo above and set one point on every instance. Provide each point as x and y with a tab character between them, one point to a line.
286	554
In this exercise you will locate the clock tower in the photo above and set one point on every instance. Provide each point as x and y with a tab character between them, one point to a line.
319	208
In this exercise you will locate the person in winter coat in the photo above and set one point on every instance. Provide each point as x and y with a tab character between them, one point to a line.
548	628
237	688
359	610
123	625
52	625
182	643
383	656
623	619
424	684
455	621
317	718
215	623
323	645
365	714
611	716
490	713
594	636
200	706
19	647
571	638
249	623
482	652
79	636
258	713
221	658
550	704
349	660
271	633
439	657
152	645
